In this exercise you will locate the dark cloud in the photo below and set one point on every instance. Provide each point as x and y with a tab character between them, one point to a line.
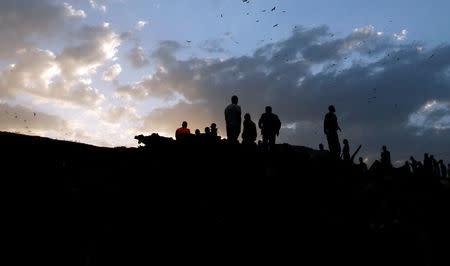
137	57
24	20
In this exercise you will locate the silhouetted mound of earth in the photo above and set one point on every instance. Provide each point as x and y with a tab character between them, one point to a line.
216	203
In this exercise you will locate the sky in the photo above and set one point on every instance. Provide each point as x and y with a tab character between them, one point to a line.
103	71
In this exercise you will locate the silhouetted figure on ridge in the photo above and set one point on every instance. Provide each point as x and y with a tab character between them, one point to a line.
197	133
213	130
207	131
436	170
330	127
413	164
233	120
181	132
249	133
427	164
385	158
321	148
362	165
406	168
346	151
270	126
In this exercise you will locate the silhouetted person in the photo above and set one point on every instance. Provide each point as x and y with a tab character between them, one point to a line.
182	131
406	167
385	158
197	132
270	126
413	164
443	169
346	151
362	165
427	164
321	148
435	166
213	130
330	127
233	120
249	133
207	131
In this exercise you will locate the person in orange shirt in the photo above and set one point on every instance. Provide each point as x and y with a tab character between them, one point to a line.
182	131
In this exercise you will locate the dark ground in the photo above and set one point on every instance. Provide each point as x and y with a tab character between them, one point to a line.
214	204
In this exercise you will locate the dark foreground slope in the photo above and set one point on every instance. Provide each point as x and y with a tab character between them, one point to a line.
216	203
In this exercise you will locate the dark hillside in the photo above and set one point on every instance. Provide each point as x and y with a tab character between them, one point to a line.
211	202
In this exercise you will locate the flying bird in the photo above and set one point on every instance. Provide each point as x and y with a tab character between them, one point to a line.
263	10
188	41
257	20
273	9
276	25
431	56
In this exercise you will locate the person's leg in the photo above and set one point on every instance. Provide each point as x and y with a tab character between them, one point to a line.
265	140
272	140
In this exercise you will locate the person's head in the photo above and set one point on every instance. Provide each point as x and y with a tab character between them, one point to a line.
361	160
197	132
268	109
384	148
321	147
184	124
425	155
213	125
345	141
331	108
234	99
247	117
412	158
207	130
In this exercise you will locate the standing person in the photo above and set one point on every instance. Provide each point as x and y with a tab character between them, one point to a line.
214	130
270	126
386	158
330	127
362	165
182	131
233	120
249	133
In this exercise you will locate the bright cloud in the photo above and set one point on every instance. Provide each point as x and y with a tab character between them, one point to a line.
112	73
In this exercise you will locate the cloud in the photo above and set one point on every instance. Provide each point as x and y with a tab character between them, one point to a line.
112	73
97	46
71	12
299	77
115	114
32	21
22	119
401	36
95	5
141	24
137	57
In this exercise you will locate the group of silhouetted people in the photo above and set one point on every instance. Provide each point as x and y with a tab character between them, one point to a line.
269	123
270	126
